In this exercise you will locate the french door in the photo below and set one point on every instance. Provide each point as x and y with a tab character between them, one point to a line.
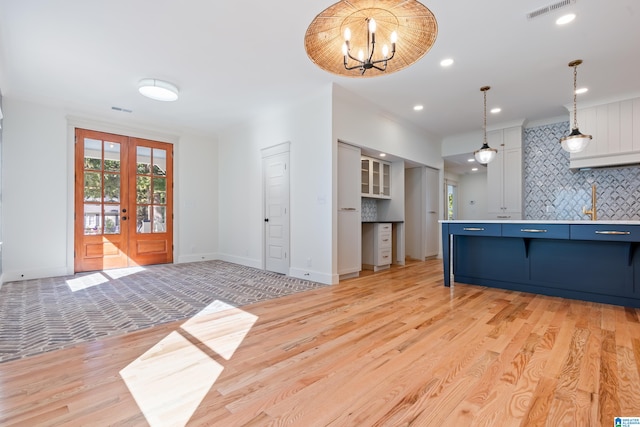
123	201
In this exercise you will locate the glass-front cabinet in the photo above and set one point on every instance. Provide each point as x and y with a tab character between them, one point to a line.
366	182
376	178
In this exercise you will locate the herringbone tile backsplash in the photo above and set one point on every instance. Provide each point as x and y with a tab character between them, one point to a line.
554	192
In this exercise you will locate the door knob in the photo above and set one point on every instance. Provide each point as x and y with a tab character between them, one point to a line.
266	220
124	218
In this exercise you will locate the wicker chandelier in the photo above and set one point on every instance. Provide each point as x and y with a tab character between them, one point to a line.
344	39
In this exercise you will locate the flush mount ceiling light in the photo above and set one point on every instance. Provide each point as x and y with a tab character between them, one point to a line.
158	90
575	141
485	154
343	38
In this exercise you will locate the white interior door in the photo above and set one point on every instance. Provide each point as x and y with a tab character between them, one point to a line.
276	212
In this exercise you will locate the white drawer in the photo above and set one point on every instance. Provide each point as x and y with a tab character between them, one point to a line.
384	240
384	227
384	257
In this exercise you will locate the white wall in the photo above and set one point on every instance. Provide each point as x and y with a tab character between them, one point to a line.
38	182
472	196
307	126
361	123
415	214
197	213
35	207
461	143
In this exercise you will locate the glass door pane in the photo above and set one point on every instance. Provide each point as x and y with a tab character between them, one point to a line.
365	176
386	180
151	189
102	187
375	177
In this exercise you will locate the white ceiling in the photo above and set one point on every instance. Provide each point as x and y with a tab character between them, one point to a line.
235	59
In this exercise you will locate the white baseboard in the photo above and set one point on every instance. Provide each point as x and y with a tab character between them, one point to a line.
249	262
15	276
312	276
197	257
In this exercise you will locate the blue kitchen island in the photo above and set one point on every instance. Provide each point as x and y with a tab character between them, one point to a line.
586	260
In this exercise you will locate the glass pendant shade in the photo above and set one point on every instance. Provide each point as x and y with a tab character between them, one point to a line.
485	154
575	141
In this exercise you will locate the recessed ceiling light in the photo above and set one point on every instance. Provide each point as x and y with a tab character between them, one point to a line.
418	107
471	160
383	155
158	90
474	169
496	110
446	62
565	19
581	90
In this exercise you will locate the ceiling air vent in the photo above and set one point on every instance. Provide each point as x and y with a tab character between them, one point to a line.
550	8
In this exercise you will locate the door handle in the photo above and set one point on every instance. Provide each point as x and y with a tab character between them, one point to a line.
266	220
124	218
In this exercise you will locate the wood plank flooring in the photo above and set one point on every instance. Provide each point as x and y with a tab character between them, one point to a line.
394	348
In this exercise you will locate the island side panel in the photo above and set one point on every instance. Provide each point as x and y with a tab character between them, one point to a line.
446	253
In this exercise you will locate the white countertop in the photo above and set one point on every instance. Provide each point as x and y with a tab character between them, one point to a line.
536	221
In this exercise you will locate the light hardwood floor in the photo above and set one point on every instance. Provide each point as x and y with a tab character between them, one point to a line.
394	348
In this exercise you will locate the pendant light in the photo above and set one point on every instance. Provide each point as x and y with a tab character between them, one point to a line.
485	154
575	141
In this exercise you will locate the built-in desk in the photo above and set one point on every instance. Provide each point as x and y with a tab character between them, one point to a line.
380	255
593	261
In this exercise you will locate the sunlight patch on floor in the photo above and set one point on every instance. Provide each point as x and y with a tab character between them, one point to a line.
98	278
170	380
84	282
221	327
117	273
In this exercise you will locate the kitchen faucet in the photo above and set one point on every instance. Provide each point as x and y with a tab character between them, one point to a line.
592	212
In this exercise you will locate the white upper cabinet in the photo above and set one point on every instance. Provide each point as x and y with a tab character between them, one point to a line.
376	178
504	174
615	128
